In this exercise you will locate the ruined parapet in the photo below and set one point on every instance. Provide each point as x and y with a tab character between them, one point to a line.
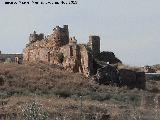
94	45
72	41
41	36
35	37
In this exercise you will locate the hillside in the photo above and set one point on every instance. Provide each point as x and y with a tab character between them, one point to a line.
58	90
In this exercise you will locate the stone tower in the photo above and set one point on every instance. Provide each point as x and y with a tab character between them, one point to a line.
61	35
64	36
94	45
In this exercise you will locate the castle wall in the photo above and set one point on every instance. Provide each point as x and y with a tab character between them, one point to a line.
35	55
16	58
77	58
86	60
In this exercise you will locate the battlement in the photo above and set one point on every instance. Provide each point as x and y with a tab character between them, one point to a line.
72	41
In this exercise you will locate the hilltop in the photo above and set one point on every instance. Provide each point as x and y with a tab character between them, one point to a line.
52	86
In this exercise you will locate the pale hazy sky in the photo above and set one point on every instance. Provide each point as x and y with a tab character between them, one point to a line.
129	28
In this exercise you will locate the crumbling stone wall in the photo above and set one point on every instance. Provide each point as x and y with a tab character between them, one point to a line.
14	58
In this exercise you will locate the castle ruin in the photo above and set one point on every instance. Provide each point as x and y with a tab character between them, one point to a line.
61	49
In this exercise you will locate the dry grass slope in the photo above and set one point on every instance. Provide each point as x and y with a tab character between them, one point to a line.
58	90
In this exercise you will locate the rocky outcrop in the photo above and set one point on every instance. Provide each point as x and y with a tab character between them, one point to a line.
106	75
109	74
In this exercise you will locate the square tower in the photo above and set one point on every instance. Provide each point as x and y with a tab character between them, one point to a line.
94	45
61	35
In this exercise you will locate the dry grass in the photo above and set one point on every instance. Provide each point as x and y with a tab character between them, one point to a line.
58	90
40	77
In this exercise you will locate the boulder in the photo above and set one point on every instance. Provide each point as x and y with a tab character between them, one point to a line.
123	77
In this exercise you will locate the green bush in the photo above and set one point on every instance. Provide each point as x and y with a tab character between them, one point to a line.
3	94
135	100
63	93
100	96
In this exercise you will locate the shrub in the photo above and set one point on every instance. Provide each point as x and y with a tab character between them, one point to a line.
135	100
34	111
63	93
100	96
2	80
3	95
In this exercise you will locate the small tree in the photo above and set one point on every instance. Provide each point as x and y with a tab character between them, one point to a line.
34	111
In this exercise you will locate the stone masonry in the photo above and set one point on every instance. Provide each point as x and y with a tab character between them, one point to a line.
14	58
